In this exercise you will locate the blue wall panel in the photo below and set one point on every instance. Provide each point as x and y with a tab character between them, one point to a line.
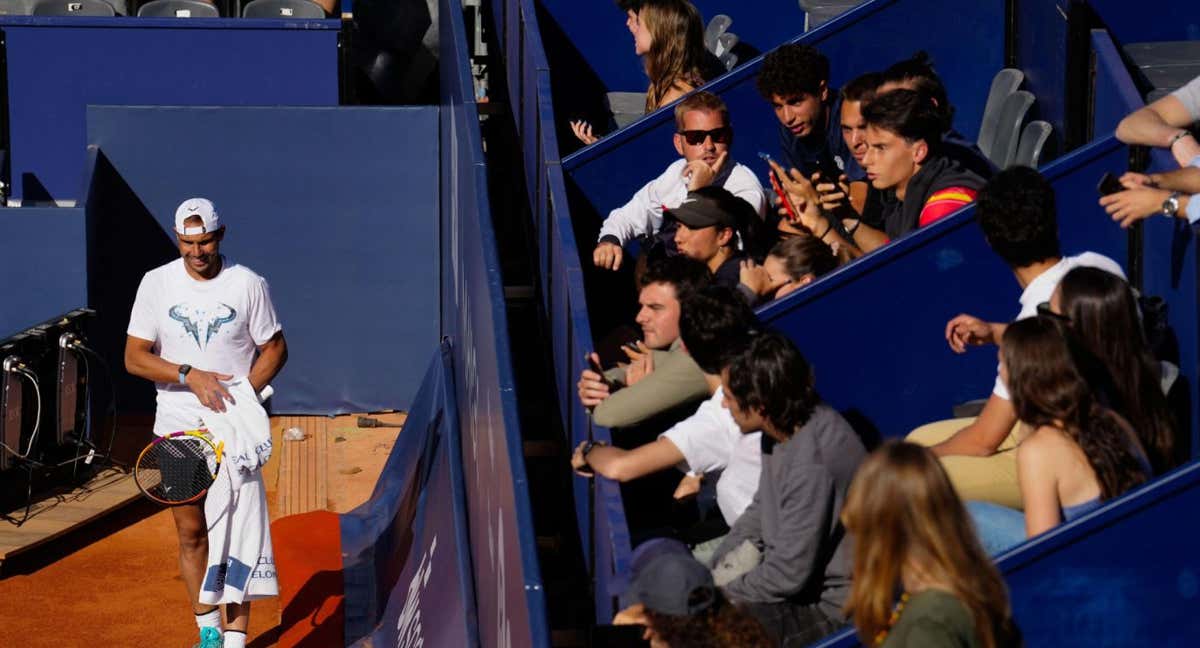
342	222
509	597
869	326
1041	53
57	67
43	263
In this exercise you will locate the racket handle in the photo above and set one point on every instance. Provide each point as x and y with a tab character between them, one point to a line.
265	393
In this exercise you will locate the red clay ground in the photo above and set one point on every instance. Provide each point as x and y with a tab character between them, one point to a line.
117	583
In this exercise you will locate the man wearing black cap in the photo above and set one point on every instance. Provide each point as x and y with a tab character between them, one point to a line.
714	229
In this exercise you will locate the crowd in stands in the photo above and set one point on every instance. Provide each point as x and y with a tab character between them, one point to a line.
779	526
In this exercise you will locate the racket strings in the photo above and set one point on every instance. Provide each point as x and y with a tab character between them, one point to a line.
176	470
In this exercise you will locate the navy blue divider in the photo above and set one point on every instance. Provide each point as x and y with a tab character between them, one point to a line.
1040	51
335	207
867	326
44	262
403	586
1152	20
57	66
1126	575
599	513
510	601
1169	251
604	175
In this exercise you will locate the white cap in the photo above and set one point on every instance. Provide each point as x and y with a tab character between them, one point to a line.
201	208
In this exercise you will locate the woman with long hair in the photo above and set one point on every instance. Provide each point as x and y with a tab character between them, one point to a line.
1077	453
912	535
669	36
1103	312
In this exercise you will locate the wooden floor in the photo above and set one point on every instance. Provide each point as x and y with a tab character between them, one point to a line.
303	465
57	514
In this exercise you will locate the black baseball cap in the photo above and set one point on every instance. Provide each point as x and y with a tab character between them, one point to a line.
668	580
711	206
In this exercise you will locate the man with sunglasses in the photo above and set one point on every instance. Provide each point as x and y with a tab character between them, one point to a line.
703	136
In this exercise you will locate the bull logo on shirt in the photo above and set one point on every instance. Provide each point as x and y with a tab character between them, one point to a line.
193	319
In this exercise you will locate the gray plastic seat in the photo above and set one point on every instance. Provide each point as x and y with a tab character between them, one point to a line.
283	9
91	8
725	45
819	12
626	107
719	24
178	9
1033	140
1008	128
1004	84
15	8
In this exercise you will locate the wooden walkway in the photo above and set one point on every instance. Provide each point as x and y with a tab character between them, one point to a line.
303	465
56	514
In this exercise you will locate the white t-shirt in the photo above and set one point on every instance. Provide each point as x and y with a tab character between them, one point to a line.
711	441
1042	288
214	325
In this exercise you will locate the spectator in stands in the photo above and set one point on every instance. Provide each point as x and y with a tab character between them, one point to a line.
715	325
795	80
784	558
917	184
911	535
1078	453
665	377
917	73
674	597
1172	194
1165	124
1103	312
792	264
718	229
1016	212
852	188
669	36
703	135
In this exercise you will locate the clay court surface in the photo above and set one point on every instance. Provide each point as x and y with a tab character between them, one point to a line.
116	582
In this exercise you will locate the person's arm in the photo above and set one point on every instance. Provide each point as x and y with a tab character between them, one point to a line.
867	238
944	202
806	506
982	437
643	212
676	380
1132	205
1185	180
1157	125
624	465
748	527
272	355
1036	475
967	330
141	361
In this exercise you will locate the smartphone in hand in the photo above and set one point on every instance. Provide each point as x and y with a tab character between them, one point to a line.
1109	184
783	199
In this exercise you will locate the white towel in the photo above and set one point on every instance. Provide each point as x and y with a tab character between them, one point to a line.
241	561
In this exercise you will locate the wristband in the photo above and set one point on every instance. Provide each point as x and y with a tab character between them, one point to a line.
183	372
1178	136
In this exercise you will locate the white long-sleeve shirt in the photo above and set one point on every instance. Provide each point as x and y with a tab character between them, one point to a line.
643	213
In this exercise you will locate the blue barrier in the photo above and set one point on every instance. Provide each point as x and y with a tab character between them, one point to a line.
1107	579
510	601
348	244
1168	252
44	263
1156	20
402	586
56	67
871	37
1041	53
599	514
930	276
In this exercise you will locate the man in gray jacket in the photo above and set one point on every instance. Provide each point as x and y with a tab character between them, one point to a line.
785	558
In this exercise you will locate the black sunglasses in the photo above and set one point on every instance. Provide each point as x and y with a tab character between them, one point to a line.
1044	310
696	137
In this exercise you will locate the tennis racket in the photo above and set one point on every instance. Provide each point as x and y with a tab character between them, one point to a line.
178	468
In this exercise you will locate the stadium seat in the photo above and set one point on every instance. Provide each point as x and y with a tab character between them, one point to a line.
819	12
178	9
626	107
283	9
14	8
725	55
1008	128
719	24
1004	84
96	8
1033	140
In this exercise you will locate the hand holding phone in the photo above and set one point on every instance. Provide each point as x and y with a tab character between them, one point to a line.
1109	184
792	216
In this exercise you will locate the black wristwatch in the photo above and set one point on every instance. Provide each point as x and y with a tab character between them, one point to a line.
183	372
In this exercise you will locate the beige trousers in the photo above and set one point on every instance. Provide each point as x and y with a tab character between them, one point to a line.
990	479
